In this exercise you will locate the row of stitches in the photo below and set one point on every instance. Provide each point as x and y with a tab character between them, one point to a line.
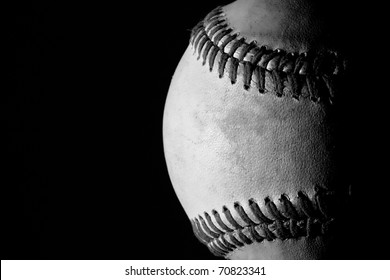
224	233
214	41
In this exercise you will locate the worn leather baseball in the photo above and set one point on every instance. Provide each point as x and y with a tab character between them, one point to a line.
250	134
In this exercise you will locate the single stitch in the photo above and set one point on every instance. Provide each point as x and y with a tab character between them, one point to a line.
258	55
288	208
330	87
255	235
198	38
268	234
305	205
245	50
244	238
212	24
314	95
222	63
248	71
294	84
206	51
211	224
260	75
273	210
230	218
220	222
222	246
294	229
233	69
235	46
202	42
257	212
194	229
274	63
217	28
287	63
195	31
278	83
241	212
235	240
212	56
207	229
224	42
229	245
202	236
221	34
266	58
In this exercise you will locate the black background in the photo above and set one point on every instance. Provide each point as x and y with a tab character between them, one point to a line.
86	176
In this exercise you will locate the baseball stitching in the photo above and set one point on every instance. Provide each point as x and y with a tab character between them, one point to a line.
302	217
304	75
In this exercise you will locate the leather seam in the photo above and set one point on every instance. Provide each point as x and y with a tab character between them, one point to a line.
225	231
299	75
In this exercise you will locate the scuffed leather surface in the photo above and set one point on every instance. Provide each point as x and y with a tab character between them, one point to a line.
292	25
224	144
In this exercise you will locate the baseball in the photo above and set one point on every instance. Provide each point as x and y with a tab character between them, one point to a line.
250	131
